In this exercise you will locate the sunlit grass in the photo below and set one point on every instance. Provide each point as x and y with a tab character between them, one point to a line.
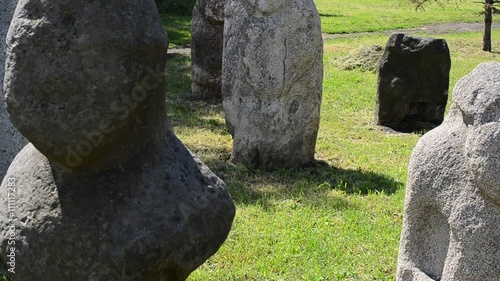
339	16
339	219
178	29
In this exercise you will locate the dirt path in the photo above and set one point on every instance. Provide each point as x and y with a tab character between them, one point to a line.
432	29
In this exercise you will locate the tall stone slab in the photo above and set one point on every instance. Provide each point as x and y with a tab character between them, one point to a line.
105	191
413	82
452	209
272	81
11	141
207	30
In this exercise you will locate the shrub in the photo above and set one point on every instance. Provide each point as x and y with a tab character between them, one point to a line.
176	7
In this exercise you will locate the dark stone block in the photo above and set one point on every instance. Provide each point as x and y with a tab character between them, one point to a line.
413	83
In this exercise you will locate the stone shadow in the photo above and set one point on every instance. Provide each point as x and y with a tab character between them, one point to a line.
312	183
331	15
410	125
178	75
183	110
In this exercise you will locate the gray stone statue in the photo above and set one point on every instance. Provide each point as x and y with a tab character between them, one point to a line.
452	209
207	29
105	191
272	81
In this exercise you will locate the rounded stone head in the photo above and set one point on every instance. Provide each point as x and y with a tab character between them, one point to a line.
212	10
477	96
84	79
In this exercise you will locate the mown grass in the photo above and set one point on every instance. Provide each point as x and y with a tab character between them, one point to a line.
178	29
339	219
340	16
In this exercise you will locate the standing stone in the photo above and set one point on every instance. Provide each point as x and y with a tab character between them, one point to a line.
272	81
207	29
413	83
11	141
452	209
105	191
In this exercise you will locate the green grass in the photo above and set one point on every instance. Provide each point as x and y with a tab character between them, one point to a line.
178	29
340	16
337	220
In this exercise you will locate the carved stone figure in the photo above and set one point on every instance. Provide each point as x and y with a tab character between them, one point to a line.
272	81
105	191
452	209
207	29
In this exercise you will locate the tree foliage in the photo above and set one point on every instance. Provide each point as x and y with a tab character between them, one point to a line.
176	7
420	4
490	9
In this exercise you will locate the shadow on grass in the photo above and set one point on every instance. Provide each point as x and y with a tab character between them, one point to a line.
331	15
178	86
309	185
182	109
312	185
411	124
177	75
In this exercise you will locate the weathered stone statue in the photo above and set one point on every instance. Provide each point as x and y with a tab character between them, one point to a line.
207	29
452	209
413	83
105	191
11	141
272	81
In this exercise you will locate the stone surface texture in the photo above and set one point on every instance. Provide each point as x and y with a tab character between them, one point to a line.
86	67
452	209
11	141
413	83
272	81
126	200
207	30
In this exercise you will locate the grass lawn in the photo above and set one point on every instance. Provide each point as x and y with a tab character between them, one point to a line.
340	16
177	28
339	219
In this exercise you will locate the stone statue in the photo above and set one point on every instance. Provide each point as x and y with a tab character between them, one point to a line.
452	209
105	191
